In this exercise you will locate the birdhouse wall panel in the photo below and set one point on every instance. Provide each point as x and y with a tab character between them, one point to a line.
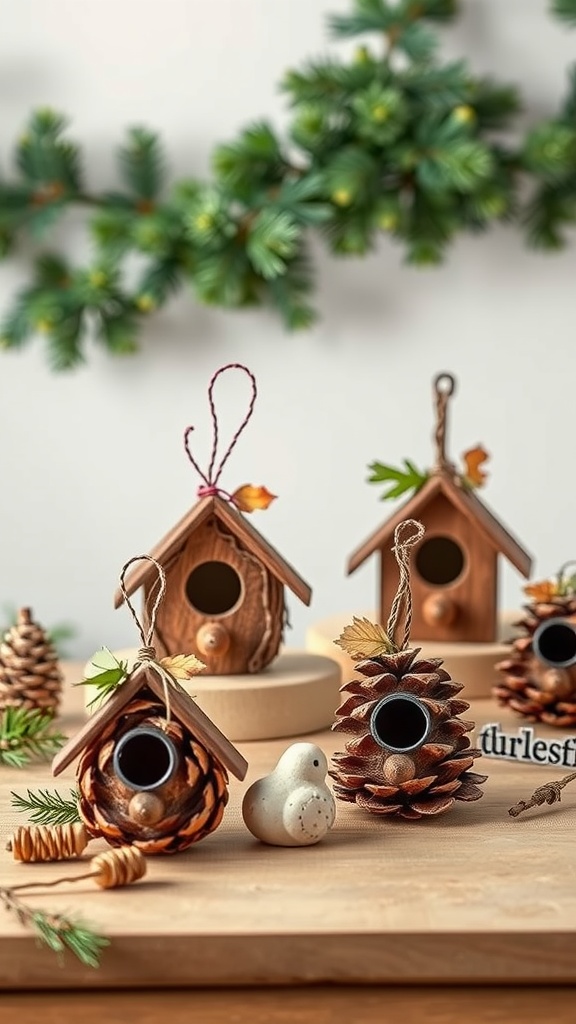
448	604
221	604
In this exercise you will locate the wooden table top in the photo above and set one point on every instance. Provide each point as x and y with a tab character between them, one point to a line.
472	896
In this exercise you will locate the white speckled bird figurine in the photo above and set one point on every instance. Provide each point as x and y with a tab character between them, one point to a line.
293	805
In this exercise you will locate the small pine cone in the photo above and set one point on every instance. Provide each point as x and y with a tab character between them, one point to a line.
182	810
542	689
30	676
408	754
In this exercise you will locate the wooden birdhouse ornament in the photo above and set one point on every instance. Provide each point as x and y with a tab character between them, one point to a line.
455	569
408	754
153	769
224	582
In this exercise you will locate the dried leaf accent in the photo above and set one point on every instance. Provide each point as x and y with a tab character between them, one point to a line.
365	639
248	498
403	479
474	475
542	590
183	666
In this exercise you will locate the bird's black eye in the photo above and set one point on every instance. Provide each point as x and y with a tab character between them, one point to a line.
316	763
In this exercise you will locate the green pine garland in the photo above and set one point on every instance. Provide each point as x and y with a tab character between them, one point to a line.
393	142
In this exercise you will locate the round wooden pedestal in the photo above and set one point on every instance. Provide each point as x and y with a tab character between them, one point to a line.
471	664
298	693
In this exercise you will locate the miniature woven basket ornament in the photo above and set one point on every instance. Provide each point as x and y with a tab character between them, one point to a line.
153	768
409	754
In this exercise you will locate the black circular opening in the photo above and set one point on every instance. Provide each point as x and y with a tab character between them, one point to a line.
400	722
439	560
144	758
555	642
213	588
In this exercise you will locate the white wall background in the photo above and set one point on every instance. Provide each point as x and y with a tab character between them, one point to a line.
91	464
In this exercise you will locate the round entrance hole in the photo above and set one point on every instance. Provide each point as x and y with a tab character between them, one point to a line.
213	588
439	561
555	643
144	758
400	722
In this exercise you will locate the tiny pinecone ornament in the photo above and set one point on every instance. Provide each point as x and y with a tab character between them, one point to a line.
539	675
30	676
409	754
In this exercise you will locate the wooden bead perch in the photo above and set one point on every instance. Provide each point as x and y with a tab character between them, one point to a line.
110	870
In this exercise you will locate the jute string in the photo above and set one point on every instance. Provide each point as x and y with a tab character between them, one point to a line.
444	385
406	535
212	476
147	652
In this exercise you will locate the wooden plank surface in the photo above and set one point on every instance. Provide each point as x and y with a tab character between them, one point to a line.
472	896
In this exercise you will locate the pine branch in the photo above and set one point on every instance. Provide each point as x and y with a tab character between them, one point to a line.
57	931
46	807
26	736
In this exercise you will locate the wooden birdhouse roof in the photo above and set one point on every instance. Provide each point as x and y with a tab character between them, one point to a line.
182	707
467	503
238	525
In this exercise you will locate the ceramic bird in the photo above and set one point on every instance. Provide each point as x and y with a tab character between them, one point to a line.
293	805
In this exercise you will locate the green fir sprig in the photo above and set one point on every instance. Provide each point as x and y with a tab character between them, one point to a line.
27	735
48	807
57	931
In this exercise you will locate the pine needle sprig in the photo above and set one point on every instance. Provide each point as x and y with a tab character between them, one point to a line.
47	807
56	931
27	735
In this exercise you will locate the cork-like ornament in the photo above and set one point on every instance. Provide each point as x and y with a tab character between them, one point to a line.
408	754
153	768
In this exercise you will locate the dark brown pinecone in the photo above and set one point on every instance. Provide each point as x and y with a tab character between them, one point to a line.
538	689
429	769
194	798
30	676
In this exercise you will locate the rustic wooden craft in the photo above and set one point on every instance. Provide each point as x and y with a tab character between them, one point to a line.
455	570
408	754
30	675
153	768
225	584
538	676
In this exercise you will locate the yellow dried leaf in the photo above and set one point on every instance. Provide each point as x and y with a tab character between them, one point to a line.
364	639
542	590
474	458
183	666
247	498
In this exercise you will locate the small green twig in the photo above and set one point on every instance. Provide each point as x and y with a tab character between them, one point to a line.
27	735
56	931
549	793
48	808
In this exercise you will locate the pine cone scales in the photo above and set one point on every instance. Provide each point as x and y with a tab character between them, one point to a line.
29	673
425	765
531	686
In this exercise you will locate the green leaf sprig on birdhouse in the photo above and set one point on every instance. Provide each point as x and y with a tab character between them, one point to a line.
407	479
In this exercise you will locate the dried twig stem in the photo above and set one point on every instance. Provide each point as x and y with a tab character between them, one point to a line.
549	793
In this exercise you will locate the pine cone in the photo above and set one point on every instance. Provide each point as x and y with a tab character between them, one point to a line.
409	755
538	689
194	798
29	673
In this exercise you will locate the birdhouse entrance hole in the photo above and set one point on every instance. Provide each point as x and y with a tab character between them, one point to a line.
555	643
214	588
400	722
439	561
144	758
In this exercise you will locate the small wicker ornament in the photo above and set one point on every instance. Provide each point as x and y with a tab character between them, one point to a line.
153	770
539	675
409	754
30	676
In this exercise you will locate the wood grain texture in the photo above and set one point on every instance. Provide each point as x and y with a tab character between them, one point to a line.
475	897
318	1005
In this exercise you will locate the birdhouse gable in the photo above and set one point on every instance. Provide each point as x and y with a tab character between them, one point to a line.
232	520
467	503
182	707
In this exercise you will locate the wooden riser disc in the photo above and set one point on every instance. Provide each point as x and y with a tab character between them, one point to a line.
298	693
471	664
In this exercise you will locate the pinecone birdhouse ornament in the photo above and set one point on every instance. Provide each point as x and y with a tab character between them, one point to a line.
30	676
153	769
409	754
539	675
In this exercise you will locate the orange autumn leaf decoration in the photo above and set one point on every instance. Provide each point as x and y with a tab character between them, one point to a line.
474	475
542	590
248	498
